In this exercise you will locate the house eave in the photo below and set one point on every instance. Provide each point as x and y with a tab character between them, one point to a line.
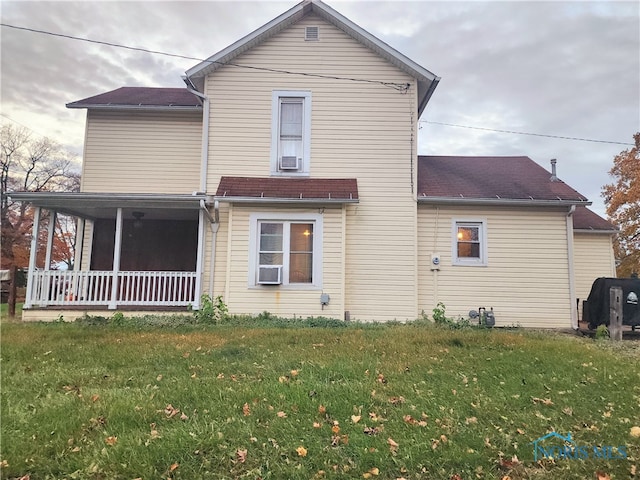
85	205
427	81
593	231
510	202
155	108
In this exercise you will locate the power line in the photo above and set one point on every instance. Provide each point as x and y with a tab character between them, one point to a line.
403	87
525	133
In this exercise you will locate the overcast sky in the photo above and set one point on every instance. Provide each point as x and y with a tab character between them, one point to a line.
552	68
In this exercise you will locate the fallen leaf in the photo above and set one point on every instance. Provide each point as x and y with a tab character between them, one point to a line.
246	411
302	452
381	379
241	455
355	418
543	401
317	425
393	445
632	471
322	410
456	476
294	373
173	467
170	412
372	431
281	414
95	397
76	449
283	379
335	429
111	440
183	417
567	411
159	377
4	464
471	420
220	376
600	475
509	464
396	400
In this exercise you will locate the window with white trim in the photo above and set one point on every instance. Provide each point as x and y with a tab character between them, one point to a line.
285	250
290	132
469	242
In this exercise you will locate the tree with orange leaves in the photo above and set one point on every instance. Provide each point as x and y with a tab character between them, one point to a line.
35	165
622	198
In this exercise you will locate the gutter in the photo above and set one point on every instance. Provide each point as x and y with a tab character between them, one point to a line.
164	108
532	202
293	201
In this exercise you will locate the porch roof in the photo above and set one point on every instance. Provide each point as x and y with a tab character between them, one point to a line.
104	205
287	190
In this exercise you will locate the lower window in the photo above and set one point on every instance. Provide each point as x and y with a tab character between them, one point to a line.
469	242
286	250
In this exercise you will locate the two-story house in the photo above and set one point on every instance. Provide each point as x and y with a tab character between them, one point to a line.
285	177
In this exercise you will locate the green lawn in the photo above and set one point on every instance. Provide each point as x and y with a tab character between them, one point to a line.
387	402
4	311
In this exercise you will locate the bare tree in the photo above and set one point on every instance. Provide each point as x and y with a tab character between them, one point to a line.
34	165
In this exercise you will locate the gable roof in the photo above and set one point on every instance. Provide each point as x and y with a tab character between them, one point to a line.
585	220
142	98
427	81
289	190
491	180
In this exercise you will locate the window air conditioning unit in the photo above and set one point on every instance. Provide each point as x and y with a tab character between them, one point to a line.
270	275
290	163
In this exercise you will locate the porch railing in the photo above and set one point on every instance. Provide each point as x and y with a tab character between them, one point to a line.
60	287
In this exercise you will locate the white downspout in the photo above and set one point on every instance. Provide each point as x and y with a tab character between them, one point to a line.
572	279
204	167
204	160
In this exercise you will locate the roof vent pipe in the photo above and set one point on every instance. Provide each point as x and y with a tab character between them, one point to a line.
554	177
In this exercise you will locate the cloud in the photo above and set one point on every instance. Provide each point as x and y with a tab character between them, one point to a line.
557	68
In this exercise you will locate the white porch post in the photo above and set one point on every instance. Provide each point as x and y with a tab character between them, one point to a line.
113	303
50	232
199	259
77	259
33	253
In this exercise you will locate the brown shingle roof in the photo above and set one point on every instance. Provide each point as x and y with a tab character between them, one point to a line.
585	219
495	178
140	97
288	189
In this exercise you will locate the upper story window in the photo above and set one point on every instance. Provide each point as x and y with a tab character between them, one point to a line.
290	132
469	242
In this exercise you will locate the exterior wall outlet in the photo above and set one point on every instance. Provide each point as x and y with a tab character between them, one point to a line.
435	261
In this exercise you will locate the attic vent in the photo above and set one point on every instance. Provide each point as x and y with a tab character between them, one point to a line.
312	34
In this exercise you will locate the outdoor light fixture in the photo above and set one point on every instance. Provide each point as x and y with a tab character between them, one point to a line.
137	223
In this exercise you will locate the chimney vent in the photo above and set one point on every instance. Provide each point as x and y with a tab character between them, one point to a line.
554	176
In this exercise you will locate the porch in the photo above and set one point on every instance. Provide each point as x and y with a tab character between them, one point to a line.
142	251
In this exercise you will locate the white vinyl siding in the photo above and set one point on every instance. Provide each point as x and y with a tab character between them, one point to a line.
360	130
299	300
142	152
526	280
593	258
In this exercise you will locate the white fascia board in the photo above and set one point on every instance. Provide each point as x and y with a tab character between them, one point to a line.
155	108
249	41
507	202
425	78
